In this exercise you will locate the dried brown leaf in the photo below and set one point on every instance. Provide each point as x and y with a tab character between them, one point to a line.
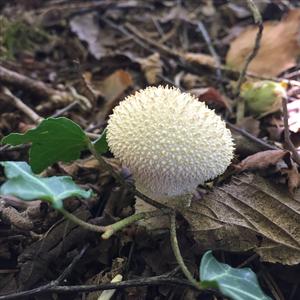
293	178
113	86
199	58
278	50
250	213
250	124
152	67
211	95
87	29
262	160
294	115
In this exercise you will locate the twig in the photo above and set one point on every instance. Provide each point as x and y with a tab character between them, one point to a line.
164	49
61	289
22	81
176	251
251	137
47	287
140	40
71	266
213	52
65	109
125	32
258	20
18	103
287	138
41	89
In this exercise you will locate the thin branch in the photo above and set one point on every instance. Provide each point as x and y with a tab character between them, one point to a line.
145	42
62	111
125	32
71	266
287	138
47	287
258	20
22	81
41	89
176	251
213	52
61	289
19	104
251	137
164	49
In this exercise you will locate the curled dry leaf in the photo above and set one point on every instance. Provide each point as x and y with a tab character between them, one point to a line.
152	67
250	213
199	58
112	88
250	125
294	115
211	96
293	178
87	29
262	160
278	50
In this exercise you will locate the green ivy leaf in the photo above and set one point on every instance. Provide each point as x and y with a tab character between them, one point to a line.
101	143
25	185
53	140
238	284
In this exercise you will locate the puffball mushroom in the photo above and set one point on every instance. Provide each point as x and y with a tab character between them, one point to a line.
169	140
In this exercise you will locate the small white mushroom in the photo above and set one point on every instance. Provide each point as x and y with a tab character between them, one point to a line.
169	140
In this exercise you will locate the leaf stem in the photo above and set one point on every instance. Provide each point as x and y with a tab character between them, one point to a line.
82	223
104	164
176	251
120	179
111	229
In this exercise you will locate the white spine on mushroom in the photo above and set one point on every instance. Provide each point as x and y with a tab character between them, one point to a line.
169	140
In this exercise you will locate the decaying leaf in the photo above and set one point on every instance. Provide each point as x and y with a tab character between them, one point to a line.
112	88
262	160
152	67
250	213
211	95
250	124
87	29
278	50
294	115
200	58
115	85
293	178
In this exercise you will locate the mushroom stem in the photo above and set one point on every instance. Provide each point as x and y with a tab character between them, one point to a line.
176	251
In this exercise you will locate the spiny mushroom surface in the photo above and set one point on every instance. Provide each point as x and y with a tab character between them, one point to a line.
169	140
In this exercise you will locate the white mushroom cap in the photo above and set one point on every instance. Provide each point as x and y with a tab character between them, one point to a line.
169	140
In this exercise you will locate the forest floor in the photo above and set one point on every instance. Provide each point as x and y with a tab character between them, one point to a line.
79	59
